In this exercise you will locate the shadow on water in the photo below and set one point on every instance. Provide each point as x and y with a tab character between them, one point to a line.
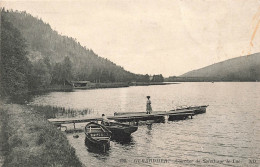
149	130
128	140
177	118
149	127
98	154
149	134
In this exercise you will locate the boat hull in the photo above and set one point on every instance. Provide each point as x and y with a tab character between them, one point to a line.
120	130
97	137
100	146
177	117
198	109
123	132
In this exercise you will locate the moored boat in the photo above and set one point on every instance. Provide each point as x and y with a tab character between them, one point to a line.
97	137
120	130
196	109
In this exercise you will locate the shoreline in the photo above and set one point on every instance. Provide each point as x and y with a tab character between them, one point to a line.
28	138
68	88
25	97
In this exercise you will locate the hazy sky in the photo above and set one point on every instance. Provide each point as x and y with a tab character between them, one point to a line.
155	36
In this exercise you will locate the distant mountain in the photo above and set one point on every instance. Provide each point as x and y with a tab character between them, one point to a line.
47	47
246	68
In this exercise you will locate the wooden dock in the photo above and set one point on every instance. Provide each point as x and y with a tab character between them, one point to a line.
131	117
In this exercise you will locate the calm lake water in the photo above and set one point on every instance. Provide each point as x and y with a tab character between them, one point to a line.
226	135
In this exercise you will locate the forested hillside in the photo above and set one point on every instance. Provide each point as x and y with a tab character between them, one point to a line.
14	65
246	68
55	57
35	57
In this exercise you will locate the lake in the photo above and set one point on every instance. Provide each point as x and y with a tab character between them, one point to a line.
226	135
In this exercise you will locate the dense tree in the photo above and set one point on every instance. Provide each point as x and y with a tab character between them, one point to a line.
40	75
143	78
104	76
57	74
14	63
62	72
66	70
157	78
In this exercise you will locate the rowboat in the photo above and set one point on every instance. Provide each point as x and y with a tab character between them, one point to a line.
120	130
196	109
97	137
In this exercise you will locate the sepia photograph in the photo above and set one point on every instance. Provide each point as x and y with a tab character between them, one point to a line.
114	83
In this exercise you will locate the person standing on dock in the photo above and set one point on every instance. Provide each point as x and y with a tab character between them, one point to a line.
148	105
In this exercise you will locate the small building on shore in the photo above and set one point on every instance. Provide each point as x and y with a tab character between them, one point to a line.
81	84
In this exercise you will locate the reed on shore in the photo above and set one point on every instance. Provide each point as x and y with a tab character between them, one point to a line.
60	112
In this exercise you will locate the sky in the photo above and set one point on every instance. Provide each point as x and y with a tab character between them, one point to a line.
168	37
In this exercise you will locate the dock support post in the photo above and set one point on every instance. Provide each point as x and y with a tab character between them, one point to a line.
190	116
74	125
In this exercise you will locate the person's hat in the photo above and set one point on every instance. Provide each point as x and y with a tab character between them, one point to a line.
148	97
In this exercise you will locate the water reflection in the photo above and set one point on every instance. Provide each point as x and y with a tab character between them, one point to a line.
149	127
98	154
127	140
149	134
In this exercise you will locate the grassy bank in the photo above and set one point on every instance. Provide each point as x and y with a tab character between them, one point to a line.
3	137
32	141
